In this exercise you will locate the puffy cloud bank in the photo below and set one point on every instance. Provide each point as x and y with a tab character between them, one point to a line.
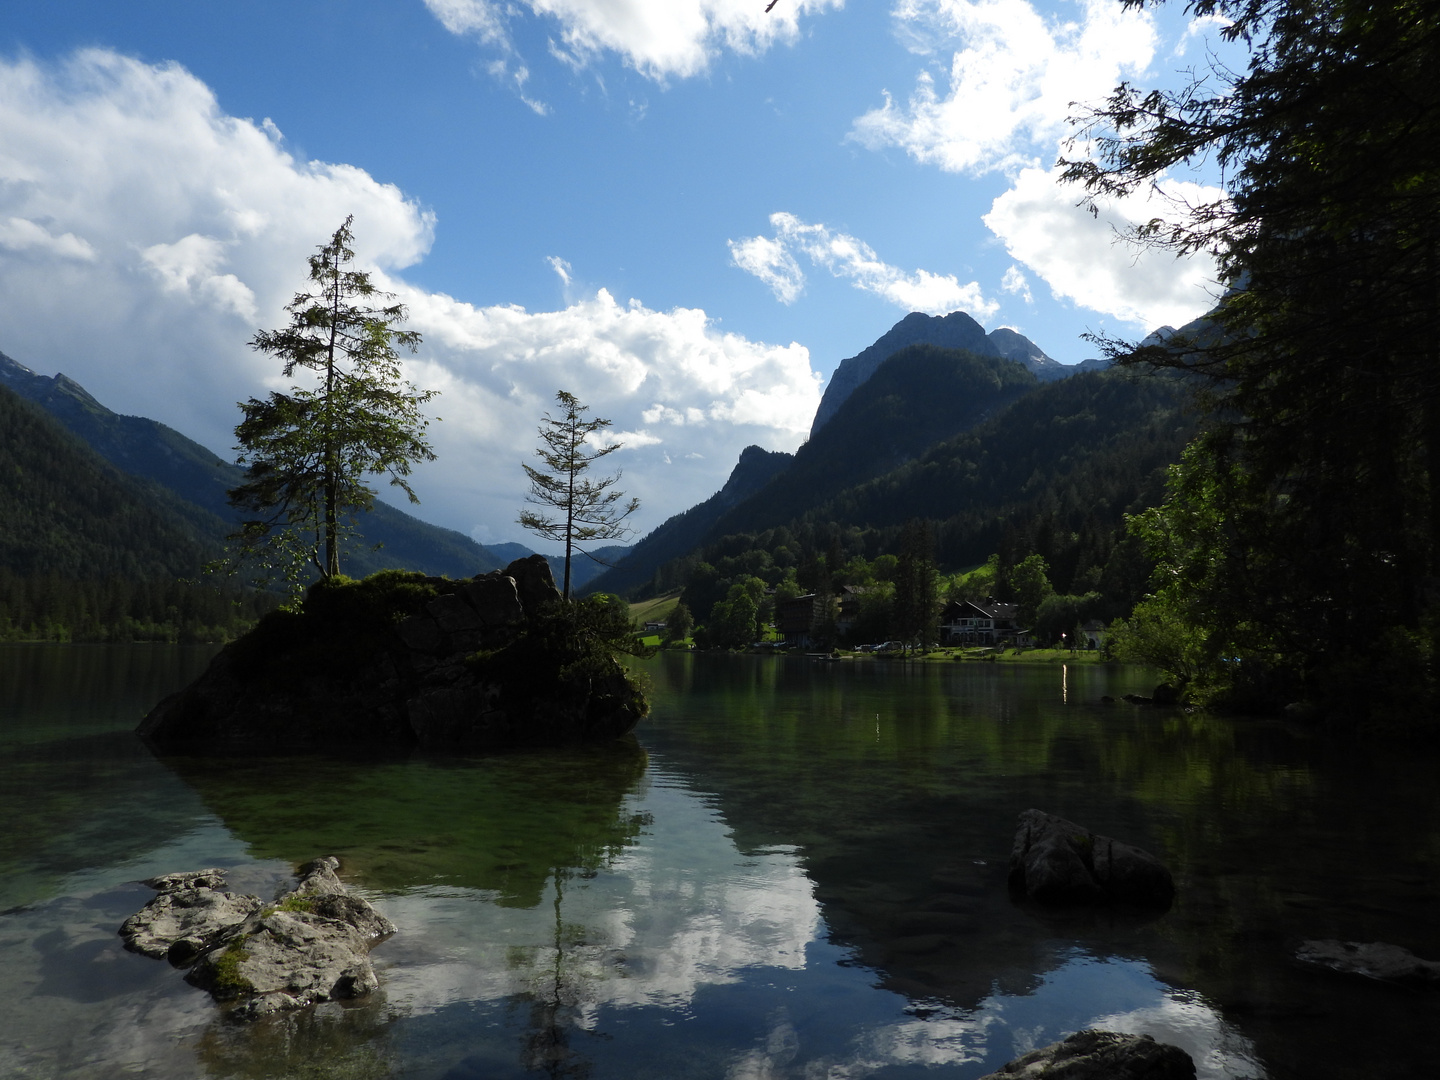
145	236
684	398
1011	83
1014	78
773	262
1083	258
661	39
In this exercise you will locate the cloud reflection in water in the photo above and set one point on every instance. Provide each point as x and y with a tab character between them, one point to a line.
684	928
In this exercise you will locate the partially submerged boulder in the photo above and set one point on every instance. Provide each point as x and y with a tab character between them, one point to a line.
310	945
1058	863
1102	1055
401	659
1372	960
191	913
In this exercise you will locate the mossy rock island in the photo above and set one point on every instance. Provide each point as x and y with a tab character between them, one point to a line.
405	660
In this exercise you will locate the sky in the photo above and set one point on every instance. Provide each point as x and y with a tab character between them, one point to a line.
684	212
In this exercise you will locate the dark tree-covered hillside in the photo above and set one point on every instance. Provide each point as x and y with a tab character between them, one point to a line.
89	554
1052	475
918	397
64	510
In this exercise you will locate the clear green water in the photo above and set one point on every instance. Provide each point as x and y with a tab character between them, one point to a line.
795	870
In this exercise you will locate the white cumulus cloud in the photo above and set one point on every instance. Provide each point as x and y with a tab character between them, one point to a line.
1083	258
1017	284
661	39
185	230
773	261
1010	82
20	234
668	381
124	184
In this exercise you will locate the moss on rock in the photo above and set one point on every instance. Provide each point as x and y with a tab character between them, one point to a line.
404	659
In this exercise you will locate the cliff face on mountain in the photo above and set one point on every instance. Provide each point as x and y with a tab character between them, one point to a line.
919	396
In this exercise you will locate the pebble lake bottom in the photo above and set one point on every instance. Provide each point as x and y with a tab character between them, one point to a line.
793	870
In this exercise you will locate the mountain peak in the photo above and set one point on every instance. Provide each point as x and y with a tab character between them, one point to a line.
954	331
12	370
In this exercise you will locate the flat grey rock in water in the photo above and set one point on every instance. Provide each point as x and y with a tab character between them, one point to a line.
1101	1055
1373	960
191	913
1056	862
313	944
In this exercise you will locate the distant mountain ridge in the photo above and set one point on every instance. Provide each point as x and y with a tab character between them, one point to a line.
954	331
149	450
678	534
919	396
66	511
931	390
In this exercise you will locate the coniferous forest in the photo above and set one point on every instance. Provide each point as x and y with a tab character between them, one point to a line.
90	554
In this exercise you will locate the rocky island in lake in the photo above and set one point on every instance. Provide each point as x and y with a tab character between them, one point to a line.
401	659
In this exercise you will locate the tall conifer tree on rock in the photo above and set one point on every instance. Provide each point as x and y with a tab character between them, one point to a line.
308	452
587	509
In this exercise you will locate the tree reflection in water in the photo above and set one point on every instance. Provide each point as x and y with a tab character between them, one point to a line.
555	1010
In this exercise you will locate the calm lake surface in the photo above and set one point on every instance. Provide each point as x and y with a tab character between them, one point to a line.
794	870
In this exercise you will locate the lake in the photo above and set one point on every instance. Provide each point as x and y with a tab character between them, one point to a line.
793	870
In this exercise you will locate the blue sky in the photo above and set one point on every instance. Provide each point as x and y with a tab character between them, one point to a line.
686	212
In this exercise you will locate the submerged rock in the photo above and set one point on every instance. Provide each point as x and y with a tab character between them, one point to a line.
311	945
1372	960
1056	862
401	660
1102	1055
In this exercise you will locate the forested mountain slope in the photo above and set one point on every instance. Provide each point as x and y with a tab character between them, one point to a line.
919	396
65	510
1052	474
681	533
150	450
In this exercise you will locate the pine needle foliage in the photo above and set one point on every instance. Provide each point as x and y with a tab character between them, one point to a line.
581	509
309	451
1301	534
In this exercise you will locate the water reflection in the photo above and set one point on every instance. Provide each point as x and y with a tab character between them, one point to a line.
665	922
798	871
77	790
499	824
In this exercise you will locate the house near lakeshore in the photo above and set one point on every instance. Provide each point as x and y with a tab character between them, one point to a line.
849	608
1092	634
982	622
796	616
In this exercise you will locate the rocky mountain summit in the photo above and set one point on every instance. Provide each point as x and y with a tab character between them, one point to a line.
954	331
